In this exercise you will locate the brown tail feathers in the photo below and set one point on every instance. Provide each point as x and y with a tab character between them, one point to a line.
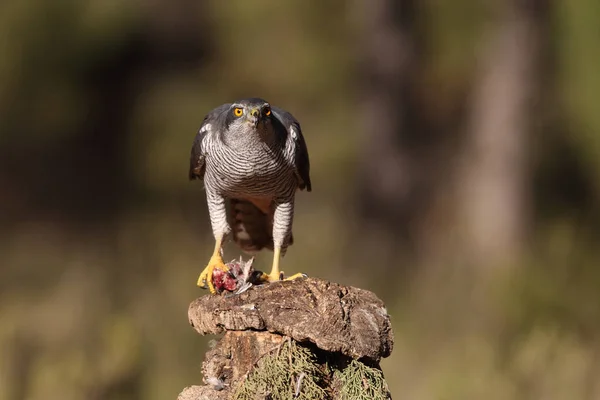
252	229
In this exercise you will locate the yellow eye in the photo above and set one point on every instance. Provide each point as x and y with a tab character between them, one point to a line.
238	112
267	112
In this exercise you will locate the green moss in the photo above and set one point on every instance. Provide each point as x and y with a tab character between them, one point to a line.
278	374
361	382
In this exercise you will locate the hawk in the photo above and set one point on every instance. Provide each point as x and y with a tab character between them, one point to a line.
253	159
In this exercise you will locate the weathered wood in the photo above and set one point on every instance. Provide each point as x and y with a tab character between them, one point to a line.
229	361
332	323
336	318
196	392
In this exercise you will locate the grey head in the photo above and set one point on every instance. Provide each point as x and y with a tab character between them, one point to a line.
250	118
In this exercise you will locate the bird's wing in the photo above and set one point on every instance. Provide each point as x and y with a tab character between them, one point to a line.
295	137
208	127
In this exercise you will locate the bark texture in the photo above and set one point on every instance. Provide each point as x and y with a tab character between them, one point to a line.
297	339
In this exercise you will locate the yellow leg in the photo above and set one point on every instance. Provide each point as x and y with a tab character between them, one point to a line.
216	261
275	274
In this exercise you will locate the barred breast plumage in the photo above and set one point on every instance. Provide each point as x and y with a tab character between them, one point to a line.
248	169
251	172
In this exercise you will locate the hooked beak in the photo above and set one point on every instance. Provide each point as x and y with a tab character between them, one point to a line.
255	117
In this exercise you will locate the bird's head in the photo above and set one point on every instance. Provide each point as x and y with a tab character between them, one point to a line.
251	115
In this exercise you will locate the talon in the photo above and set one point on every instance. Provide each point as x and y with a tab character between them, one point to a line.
280	277
206	277
275	274
295	276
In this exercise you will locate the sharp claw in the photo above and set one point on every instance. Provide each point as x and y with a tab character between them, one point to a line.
296	276
205	278
211	287
268	278
202	279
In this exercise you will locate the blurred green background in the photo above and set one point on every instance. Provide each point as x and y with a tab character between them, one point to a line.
455	151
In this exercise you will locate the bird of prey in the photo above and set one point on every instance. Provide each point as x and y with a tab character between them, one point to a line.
252	158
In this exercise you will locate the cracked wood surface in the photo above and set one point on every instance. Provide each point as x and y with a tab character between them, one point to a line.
336	318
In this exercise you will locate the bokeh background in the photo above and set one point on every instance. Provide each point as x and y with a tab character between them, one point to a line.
455	151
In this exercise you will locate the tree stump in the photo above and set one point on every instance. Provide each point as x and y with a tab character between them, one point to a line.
301	339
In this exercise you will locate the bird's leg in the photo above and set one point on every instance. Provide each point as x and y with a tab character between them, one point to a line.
218	221
216	261
275	274
282	227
